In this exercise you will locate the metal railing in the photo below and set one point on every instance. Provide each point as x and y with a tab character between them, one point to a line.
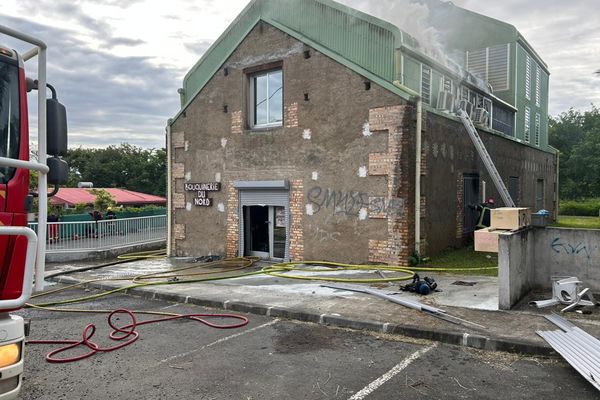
104	234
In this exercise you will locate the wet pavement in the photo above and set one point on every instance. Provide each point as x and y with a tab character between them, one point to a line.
307	300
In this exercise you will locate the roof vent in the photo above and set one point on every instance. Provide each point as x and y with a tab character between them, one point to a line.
86	185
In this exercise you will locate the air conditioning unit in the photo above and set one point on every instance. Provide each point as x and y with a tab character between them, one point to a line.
445	101
467	107
481	116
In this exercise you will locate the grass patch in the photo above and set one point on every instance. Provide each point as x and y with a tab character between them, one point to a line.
464	258
567	221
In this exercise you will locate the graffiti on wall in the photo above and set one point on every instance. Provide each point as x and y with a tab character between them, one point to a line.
578	249
350	202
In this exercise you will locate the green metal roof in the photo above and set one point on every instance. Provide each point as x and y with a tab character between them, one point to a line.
357	40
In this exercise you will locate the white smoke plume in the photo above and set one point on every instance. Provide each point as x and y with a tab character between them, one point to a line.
410	17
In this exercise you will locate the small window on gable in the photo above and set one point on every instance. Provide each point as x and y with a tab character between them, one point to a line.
266	99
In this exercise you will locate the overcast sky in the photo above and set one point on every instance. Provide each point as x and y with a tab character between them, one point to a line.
117	64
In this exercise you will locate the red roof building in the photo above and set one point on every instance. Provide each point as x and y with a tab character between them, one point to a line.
70	197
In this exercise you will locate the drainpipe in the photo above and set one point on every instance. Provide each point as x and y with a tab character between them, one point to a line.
418	128
169	196
557	188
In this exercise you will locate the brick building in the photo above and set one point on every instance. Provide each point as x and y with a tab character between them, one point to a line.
297	137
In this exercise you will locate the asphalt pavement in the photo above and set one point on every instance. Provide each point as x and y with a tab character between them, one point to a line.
274	358
308	301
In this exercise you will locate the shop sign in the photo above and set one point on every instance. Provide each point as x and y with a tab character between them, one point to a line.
200	190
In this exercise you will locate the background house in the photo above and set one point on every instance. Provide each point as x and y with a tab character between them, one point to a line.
297	134
70	197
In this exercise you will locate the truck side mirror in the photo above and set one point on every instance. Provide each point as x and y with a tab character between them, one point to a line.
59	171
56	128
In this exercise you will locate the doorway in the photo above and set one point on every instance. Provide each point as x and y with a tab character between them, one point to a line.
265	231
471	200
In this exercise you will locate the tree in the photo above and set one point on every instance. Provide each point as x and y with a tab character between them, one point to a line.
577	136
103	199
124	166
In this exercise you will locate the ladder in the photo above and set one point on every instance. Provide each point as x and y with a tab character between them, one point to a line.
485	157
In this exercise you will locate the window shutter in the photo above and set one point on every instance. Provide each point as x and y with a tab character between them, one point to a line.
498	67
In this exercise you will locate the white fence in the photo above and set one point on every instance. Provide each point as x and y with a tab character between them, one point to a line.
105	234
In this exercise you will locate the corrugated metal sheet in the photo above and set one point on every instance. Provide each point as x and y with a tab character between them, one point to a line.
358	38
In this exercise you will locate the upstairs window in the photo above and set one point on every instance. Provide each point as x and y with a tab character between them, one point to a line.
266	99
426	83
526	131
528	77
538	85
538	127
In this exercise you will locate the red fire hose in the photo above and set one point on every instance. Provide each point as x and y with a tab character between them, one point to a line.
126	334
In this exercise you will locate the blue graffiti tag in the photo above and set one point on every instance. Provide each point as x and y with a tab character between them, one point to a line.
567	248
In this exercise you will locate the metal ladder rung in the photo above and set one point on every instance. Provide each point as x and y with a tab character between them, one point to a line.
486	158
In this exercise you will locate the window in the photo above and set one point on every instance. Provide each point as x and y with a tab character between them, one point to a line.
528	77
537	129
426	83
526	131
266	94
10	128
538	81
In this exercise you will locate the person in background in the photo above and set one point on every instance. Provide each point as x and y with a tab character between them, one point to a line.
484	210
111	226
96	216
52	228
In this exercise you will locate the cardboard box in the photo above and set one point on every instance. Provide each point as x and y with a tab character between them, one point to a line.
510	218
486	239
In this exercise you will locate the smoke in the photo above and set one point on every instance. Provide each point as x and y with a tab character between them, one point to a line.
413	17
410	17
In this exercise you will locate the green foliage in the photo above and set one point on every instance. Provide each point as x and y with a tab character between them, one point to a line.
577	135
103	199
577	222
125	166
465	257
589	207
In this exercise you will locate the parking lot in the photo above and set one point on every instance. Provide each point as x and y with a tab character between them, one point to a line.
276	359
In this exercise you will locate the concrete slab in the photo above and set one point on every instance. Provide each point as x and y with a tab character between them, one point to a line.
308	301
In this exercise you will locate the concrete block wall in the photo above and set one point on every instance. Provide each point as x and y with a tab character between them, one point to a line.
528	259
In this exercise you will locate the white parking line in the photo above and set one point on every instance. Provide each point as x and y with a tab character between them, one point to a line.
371	387
219	341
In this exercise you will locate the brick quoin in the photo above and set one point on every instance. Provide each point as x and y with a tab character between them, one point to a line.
396	122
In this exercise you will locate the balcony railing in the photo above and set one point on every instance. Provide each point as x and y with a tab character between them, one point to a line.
105	234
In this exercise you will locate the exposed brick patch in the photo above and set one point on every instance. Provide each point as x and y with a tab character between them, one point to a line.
179	231
237	122
296	214
178	140
380	119
460	201
178	200
395	121
380	163
178	170
291	115
233	223
378	251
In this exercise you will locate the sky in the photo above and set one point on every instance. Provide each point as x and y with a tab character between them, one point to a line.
117	64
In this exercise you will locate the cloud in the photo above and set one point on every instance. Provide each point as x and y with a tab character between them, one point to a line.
198	48
109	99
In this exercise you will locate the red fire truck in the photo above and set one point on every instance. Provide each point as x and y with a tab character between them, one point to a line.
19	245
